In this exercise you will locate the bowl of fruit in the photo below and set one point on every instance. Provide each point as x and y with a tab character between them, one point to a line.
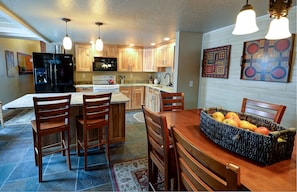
253	137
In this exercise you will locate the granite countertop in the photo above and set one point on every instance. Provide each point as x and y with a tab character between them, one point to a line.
155	86
26	101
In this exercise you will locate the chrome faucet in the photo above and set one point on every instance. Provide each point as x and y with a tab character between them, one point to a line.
169	80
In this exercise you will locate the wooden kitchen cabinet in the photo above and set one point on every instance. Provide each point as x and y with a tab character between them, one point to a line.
83	57
149	60
108	51
152	99
165	55
127	91
129	59
84	89
136	96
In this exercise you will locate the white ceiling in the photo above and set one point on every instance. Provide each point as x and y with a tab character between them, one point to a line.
125	21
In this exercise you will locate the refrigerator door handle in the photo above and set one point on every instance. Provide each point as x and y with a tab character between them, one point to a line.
56	77
51	74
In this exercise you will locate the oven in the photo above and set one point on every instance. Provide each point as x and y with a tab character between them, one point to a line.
105	83
106	88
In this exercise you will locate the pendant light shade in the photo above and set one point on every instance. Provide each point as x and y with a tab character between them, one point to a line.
67	43
99	42
278	29
279	26
245	21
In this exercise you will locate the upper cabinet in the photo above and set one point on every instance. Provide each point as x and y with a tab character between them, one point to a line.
108	51
85	54
130	59
165	55
83	57
149	60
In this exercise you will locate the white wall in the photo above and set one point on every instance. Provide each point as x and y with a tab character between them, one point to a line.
228	93
188	47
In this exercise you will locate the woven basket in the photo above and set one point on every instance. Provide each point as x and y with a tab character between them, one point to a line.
263	149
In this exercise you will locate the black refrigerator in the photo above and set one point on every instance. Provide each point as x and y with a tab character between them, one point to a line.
53	73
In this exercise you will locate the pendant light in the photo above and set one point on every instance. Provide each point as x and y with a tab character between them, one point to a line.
67	43
246	21
279	26
99	42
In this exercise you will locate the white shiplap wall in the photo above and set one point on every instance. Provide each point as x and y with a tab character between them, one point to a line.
228	93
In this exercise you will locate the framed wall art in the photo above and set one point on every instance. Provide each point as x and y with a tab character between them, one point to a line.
216	61
12	68
267	60
25	63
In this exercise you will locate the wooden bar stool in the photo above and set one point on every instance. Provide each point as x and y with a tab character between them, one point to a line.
96	110
52	116
1	115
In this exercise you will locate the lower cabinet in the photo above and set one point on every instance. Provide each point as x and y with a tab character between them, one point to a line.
84	89
136	96
152	99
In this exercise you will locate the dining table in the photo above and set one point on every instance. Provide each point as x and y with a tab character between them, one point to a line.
280	176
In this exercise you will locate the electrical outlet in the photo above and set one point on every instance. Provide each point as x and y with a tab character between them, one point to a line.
191	83
131	75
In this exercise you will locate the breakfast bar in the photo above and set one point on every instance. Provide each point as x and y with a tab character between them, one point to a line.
117	111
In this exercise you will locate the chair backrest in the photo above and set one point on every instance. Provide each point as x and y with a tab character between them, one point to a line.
198	171
267	110
158	139
54	109
171	101
96	109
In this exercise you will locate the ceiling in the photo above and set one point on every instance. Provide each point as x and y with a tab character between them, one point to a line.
138	22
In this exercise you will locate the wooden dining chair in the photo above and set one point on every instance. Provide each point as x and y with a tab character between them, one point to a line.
271	111
52	116
171	101
199	172
1	115
96	110
160	152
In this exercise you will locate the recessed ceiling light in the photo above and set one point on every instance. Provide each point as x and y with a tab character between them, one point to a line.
153	44
166	38
131	45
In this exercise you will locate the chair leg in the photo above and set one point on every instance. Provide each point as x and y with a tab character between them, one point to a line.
68	150
166	183
63	144
107	147
85	148
152	175
34	146
78	138
39	156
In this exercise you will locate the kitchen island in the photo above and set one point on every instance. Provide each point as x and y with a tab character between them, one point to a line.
117	111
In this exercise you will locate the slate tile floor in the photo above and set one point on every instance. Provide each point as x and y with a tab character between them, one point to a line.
19	173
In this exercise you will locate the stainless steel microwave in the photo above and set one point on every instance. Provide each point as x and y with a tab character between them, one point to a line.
105	64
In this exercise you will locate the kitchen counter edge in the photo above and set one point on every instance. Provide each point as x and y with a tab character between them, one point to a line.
158	86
